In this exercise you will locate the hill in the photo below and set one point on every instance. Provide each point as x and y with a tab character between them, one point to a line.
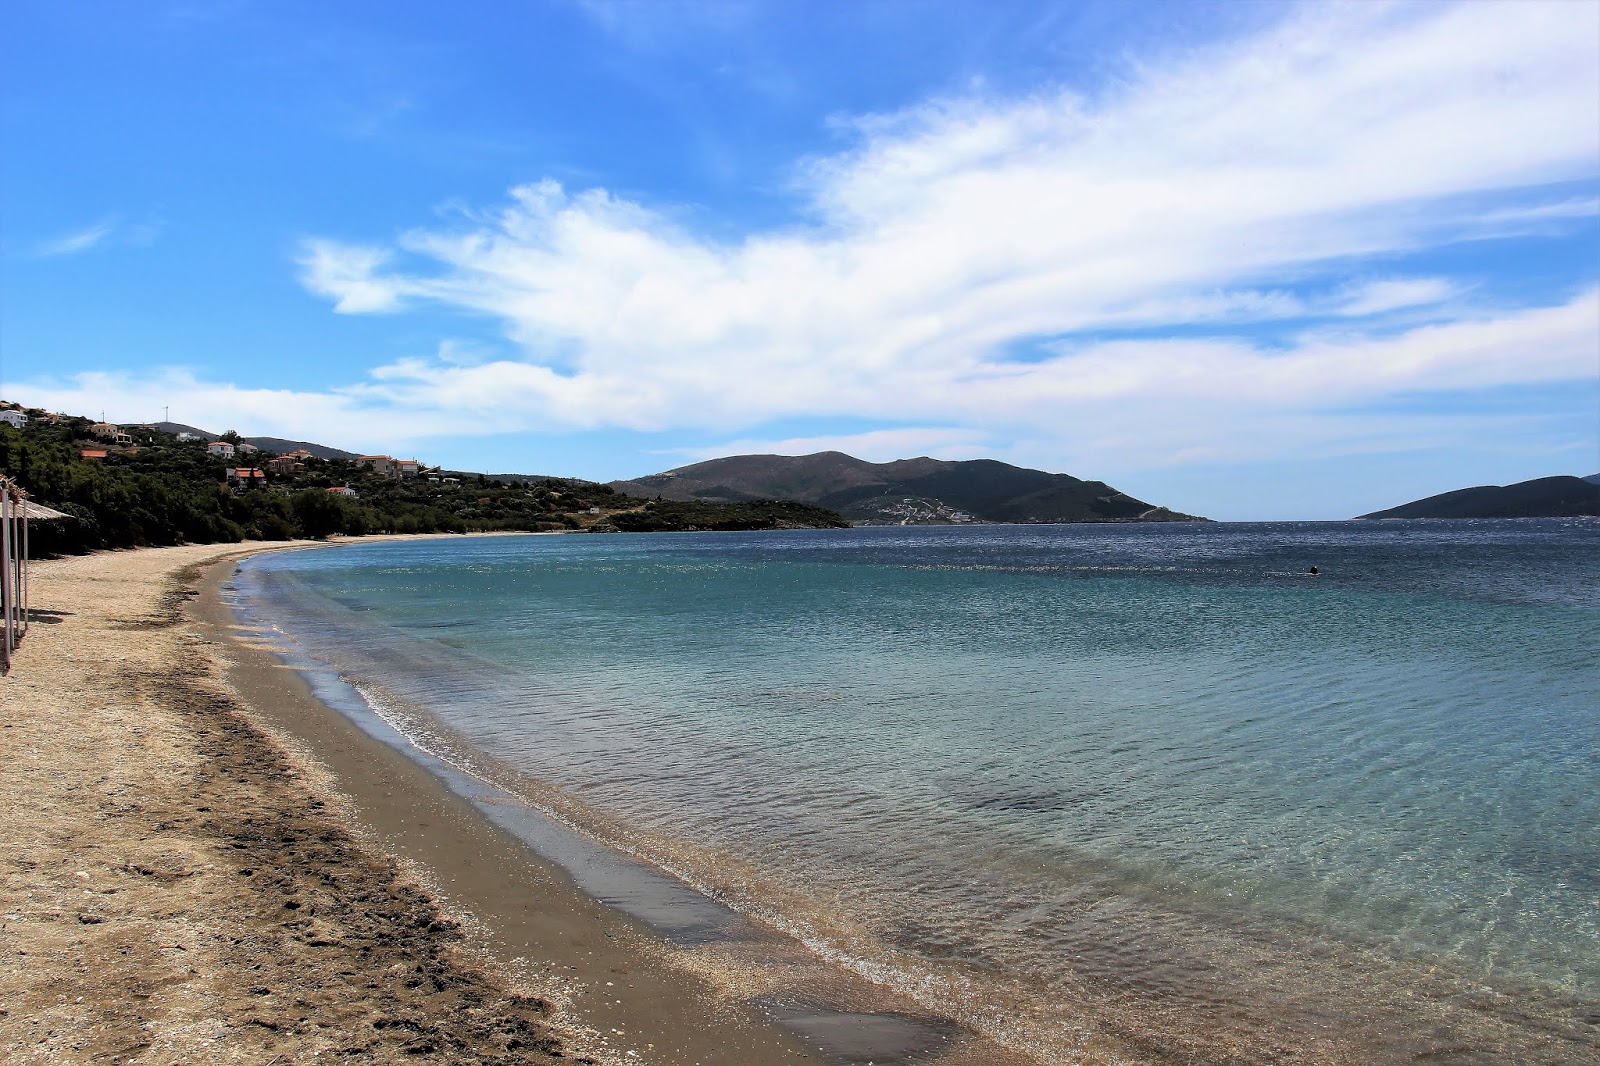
275	445
904	492
147	487
179	427
278	446
1545	497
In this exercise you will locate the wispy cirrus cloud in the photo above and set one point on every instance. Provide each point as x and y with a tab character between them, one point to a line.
109	231
1393	294
77	241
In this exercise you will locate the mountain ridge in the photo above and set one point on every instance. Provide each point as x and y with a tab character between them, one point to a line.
918	491
277	445
1561	496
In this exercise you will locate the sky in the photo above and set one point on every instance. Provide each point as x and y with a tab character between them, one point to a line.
1250	261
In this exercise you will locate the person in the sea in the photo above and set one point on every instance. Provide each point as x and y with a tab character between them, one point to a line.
1313	571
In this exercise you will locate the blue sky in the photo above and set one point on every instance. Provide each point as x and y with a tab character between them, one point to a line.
1249	261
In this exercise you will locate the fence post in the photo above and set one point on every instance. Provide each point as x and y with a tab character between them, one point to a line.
6	589
26	612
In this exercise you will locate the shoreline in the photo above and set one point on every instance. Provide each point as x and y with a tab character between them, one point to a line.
1268	988
181	888
516	945
484	877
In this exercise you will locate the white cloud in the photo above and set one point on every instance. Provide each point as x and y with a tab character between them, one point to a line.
77	241
1393	294
876	446
1531	216
1138	405
1102	409
345	273
1247	184
109	231
328	417
960	227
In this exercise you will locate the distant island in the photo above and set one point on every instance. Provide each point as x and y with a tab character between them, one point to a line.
918	491
1546	497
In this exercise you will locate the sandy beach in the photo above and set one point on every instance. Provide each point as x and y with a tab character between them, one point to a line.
206	864
186	882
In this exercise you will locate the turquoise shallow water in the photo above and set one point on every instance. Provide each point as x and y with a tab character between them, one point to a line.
1152	782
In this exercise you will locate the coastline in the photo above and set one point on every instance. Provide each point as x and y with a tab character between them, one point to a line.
181	888
162	751
1267	989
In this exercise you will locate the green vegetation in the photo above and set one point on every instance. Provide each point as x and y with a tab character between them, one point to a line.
1561	496
161	490
684	516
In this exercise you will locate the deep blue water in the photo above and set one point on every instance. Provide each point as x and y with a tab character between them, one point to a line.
1062	774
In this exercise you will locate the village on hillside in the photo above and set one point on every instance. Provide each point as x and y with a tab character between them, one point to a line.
133	485
99	440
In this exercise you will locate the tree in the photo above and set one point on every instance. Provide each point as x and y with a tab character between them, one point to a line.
319	512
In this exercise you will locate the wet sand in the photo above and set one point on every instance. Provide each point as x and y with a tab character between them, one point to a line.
206	863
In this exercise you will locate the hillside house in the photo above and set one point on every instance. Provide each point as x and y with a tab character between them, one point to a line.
92	453
108	432
186	435
285	466
343	490
246	448
246	477
220	448
378	464
14	419
389	466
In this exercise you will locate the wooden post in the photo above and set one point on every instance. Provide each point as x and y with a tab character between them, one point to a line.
26	614
6	590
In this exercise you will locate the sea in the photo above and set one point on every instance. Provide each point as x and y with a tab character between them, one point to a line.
1105	793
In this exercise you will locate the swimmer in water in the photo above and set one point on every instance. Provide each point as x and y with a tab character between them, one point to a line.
1313	571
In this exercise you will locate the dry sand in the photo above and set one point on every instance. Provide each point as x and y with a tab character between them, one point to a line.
174	888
